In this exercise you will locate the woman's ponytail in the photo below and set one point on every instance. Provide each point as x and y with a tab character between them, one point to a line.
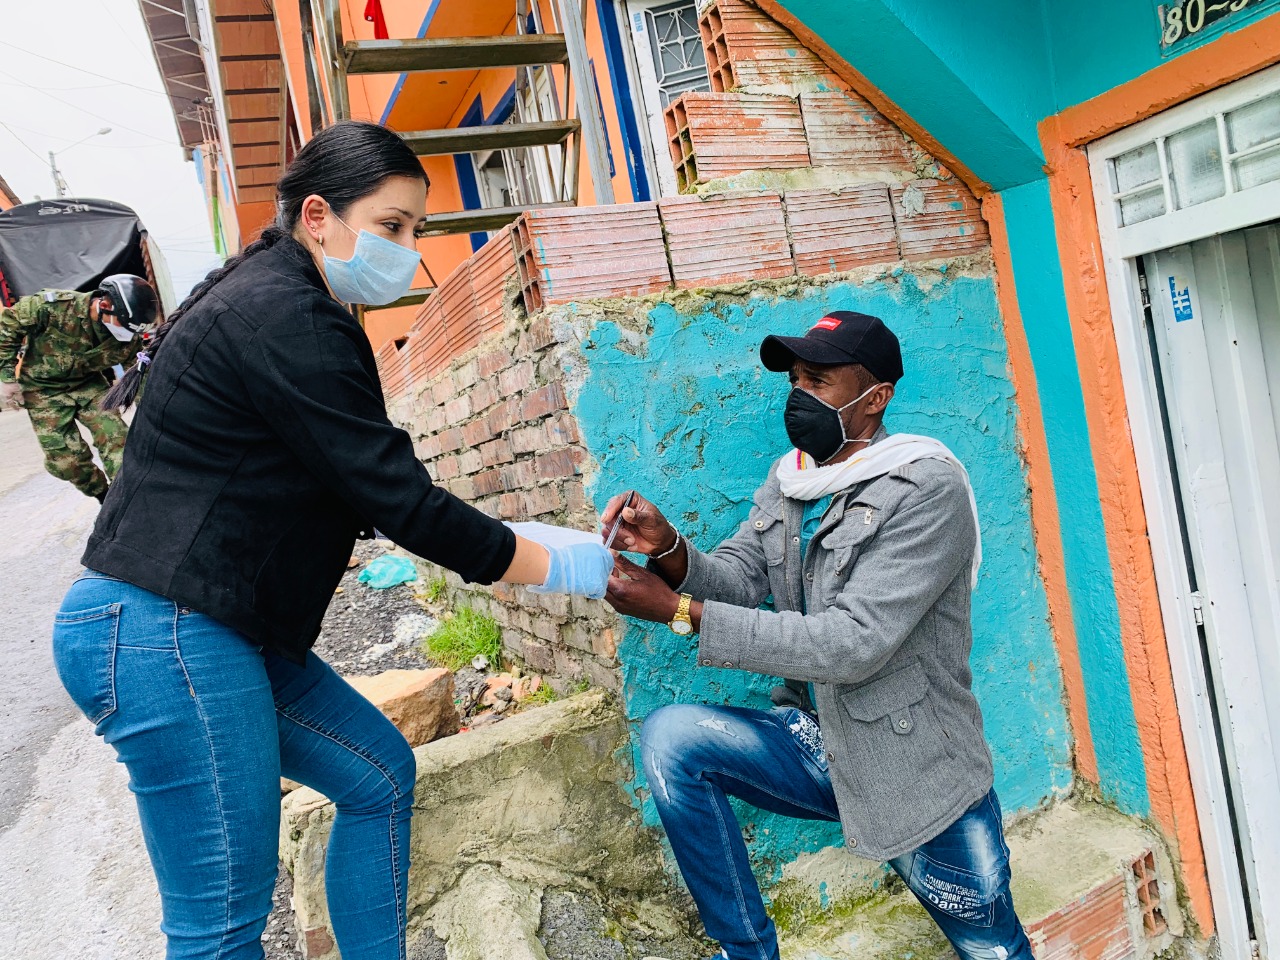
125	390
342	163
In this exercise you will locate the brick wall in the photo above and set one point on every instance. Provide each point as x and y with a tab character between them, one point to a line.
776	106
493	427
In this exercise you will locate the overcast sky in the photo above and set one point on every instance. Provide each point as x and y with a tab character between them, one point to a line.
104	76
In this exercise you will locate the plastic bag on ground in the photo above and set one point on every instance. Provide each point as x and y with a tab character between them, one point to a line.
388	571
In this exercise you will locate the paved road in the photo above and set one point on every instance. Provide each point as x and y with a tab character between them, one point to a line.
74	880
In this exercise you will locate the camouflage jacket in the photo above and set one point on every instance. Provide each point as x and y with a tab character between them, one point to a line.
64	347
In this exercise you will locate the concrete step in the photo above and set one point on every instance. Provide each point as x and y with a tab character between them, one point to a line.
1088	882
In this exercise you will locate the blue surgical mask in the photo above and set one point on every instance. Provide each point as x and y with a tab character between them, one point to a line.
379	271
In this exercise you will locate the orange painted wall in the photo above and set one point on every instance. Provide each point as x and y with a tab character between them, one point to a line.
252	217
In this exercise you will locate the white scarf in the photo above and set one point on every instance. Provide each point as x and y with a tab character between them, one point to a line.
802	479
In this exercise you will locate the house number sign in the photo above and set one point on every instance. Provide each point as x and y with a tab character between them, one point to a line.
1181	22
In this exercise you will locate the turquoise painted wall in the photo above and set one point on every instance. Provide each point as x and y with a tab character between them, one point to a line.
676	405
1088	62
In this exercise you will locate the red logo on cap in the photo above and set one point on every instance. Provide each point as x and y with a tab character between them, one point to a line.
827	323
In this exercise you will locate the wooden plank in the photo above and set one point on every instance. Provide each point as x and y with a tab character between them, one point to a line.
504	136
474	221
454	53
584	89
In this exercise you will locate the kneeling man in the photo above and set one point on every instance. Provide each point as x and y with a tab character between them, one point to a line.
868	545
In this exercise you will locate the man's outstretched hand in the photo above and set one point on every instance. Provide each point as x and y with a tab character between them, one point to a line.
640	593
644	529
10	395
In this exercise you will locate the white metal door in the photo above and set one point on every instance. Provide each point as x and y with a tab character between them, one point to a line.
1216	315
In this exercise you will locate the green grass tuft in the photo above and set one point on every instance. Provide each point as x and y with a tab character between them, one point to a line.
456	642
435	589
544	696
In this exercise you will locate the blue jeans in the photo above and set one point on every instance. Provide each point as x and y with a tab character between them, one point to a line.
206	724
697	756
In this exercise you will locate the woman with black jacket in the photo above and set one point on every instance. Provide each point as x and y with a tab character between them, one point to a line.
260	451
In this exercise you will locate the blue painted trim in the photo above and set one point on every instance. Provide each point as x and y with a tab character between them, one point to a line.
468	186
395	93
505	106
604	122
615	58
197	157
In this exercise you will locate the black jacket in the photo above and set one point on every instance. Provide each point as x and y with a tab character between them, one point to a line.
260	451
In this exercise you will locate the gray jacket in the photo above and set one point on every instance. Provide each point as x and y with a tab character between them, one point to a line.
885	642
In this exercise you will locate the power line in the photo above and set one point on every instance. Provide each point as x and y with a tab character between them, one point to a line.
21	141
76	106
119	26
79	86
72	66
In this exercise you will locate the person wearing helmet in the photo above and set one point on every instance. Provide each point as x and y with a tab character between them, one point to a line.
56	350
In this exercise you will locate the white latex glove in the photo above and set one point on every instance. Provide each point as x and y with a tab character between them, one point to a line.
579	563
579	568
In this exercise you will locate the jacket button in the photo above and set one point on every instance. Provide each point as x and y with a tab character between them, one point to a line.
831	757
795	539
808	576
853	841
759	524
728	664
904	724
706	663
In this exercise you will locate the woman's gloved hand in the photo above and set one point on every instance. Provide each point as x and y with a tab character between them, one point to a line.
579	568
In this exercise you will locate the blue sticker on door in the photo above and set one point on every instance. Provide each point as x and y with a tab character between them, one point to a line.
1181	301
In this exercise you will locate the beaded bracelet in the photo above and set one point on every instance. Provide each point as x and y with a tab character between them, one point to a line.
675	546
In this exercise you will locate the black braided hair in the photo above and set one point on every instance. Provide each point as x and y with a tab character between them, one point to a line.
342	163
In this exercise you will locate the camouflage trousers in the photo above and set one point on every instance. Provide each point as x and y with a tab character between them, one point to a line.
66	455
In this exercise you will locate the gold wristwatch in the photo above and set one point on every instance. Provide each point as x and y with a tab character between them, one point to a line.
681	624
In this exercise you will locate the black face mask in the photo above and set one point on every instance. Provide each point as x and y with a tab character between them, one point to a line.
816	427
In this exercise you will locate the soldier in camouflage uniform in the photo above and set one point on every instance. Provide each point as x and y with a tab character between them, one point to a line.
56	348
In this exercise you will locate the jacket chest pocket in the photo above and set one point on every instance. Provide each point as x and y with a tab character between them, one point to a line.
845	543
773	536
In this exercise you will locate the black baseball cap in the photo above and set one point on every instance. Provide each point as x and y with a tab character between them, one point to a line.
842	336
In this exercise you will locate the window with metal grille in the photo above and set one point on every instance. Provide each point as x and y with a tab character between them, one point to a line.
676	44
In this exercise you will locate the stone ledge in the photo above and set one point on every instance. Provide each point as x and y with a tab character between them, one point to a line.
1074	886
533	803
